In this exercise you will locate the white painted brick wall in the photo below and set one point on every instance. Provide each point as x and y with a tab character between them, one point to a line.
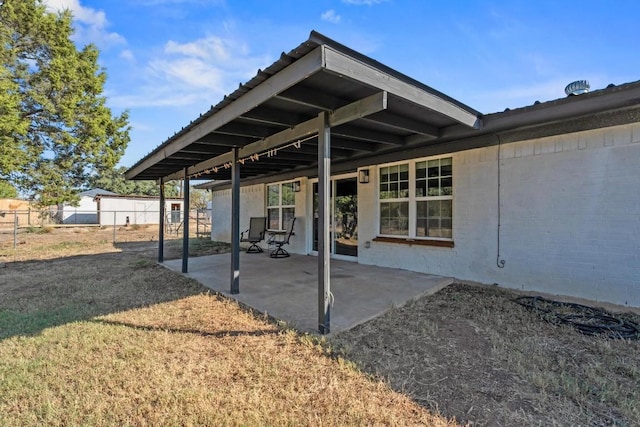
253	203
570	218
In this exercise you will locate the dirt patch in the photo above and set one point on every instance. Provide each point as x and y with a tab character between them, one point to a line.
472	353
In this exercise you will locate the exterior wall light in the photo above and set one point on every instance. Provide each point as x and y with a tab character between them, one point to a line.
363	176
296	186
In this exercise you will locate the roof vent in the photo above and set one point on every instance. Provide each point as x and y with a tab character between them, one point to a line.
577	88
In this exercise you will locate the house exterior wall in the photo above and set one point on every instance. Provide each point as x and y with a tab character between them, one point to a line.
569	213
140	211
567	220
252	204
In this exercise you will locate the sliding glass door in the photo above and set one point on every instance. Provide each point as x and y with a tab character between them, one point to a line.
343	227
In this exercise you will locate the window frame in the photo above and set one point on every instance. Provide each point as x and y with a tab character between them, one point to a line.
280	207
412	199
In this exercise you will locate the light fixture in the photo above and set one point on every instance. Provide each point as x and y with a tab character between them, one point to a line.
363	176
296	186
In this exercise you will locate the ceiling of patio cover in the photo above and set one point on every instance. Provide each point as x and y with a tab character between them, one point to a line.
273	118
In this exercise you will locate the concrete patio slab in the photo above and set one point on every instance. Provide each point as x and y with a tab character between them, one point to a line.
287	288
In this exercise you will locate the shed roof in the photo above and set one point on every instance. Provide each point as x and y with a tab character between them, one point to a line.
95	191
133	197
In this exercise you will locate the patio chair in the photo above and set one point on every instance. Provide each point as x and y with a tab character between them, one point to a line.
279	240
255	234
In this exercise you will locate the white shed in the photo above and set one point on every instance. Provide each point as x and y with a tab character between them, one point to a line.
120	210
86	212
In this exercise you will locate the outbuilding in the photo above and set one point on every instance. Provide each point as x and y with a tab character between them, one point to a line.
128	210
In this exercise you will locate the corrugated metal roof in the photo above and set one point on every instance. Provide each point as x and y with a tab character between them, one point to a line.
321	75
299	99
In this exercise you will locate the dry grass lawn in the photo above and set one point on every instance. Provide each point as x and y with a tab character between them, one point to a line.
97	334
113	339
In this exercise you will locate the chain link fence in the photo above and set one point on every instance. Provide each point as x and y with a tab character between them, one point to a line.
15	222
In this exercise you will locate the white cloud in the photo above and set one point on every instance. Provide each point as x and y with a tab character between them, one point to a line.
191	73
127	55
364	2
91	24
330	16
207	48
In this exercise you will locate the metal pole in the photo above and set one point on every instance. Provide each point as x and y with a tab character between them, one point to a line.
114	227
324	218
185	227
15	229
235	223
161	229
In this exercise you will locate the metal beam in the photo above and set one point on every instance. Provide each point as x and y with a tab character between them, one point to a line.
289	76
272	116
363	134
341	64
403	123
185	226
247	130
226	142
311	146
311	98
358	109
161	222
351	145
235	222
324	218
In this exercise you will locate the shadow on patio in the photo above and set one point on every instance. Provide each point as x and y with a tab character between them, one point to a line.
287	289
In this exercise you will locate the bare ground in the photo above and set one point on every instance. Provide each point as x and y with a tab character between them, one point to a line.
472	353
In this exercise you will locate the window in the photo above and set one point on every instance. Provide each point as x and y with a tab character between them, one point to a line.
394	199
280	205
416	199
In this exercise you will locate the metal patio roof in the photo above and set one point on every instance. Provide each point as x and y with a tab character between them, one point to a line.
373	109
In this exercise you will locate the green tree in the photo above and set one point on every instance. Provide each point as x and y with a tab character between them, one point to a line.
7	191
198	198
55	128
114	180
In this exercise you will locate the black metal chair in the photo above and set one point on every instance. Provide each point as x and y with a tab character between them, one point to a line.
279	240
255	234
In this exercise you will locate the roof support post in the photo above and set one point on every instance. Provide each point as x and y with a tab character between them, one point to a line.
161	222
235	222
185	224
324	240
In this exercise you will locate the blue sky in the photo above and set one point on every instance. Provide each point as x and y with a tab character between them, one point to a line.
170	60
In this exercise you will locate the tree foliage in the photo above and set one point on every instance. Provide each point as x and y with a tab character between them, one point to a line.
198	198
7	191
114	180
55	129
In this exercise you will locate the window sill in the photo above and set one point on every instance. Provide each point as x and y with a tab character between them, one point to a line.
419	242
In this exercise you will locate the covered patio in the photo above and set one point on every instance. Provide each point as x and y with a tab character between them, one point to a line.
319	110
287	289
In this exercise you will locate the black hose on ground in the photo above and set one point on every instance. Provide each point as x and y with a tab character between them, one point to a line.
585	319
